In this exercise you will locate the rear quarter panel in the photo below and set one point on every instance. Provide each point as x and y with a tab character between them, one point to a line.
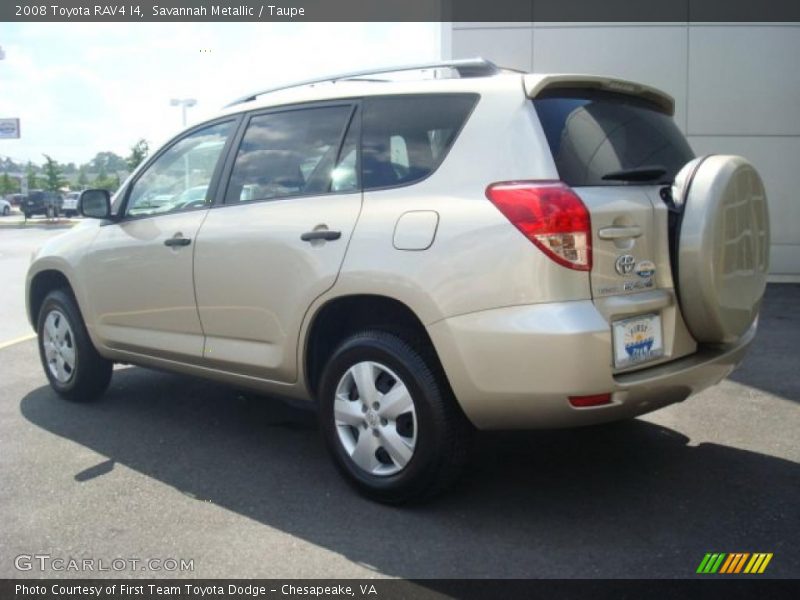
478	260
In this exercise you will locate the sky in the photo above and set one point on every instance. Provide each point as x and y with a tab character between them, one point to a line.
82	88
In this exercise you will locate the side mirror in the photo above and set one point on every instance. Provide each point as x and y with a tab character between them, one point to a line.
95	204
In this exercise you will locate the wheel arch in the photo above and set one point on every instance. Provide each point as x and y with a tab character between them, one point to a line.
42	283
342	316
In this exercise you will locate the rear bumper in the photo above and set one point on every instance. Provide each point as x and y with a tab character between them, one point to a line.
515	367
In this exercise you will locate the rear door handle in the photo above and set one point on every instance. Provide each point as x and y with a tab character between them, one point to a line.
177	241
321	234
620	233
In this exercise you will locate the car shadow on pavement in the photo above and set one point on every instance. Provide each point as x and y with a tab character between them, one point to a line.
627	500
771	362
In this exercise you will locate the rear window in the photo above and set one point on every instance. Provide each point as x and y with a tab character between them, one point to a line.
405	138
593	133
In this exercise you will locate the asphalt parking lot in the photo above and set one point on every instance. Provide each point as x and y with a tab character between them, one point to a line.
18	240
172	467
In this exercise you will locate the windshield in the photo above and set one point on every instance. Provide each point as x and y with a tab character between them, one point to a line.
595	134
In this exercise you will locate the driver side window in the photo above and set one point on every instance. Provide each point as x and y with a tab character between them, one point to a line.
179	178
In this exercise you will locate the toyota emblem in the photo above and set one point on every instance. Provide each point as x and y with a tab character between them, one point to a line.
625	264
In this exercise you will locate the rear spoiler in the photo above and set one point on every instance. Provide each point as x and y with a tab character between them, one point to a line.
536	84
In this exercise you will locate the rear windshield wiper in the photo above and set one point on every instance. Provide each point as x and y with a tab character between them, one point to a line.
648	173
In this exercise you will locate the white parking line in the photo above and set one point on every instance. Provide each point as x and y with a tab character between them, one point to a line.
18	340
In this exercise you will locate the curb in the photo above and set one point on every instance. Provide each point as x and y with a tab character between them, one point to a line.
60	224
18	340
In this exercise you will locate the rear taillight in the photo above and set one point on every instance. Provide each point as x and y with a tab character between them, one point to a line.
550	215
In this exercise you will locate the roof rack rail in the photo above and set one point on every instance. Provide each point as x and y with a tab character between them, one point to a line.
470	67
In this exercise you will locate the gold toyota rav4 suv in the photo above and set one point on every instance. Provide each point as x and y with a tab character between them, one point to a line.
418	257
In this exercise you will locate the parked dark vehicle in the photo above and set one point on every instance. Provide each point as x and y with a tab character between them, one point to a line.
39	202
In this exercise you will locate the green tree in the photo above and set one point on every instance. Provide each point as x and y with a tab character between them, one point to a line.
53	179
30	175
107	161
139	152
8	185
104	181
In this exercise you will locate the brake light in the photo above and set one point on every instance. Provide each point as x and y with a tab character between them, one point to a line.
551	216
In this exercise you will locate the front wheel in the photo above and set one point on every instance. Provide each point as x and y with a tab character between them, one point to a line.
72	364
6	211
389	419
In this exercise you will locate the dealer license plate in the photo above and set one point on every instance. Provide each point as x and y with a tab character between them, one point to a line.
637	340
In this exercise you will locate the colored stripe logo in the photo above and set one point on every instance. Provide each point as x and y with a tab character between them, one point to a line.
735	562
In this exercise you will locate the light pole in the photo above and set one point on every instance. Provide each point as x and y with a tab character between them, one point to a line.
184	103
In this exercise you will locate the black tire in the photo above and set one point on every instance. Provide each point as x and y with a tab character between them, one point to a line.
27	216
91	373
6	211
443	433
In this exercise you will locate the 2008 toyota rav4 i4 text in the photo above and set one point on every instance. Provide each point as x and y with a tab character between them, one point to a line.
484	248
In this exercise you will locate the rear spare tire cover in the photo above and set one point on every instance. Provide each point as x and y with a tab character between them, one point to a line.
723	246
